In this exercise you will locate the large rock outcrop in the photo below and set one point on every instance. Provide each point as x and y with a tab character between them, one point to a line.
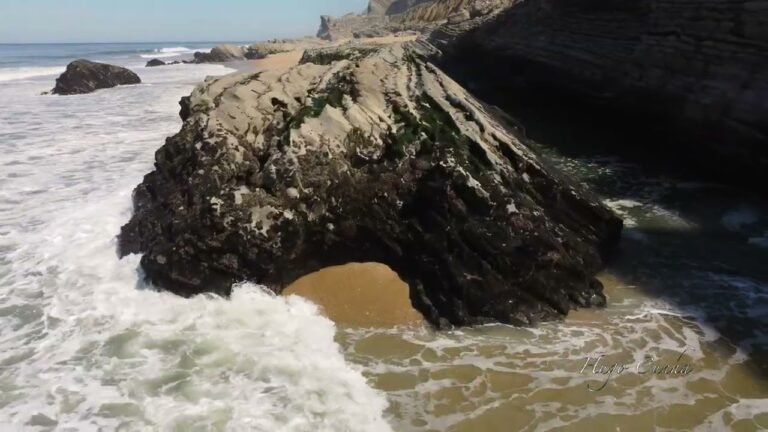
221	54
695	72
367	154
380	18
454	11
85	76
387	16
155	63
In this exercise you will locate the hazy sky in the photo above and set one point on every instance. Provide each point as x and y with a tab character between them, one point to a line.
163	20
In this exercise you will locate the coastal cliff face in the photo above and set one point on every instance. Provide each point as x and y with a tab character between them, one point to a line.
384	17
391	7
367	154
453	11
695	70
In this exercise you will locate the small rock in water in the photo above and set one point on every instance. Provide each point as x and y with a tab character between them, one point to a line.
84	76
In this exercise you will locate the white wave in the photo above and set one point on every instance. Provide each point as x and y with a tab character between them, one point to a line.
13	74
83	347
172	52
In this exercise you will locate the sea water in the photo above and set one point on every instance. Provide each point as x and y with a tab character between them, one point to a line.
83	343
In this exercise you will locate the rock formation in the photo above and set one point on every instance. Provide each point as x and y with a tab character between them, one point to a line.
221	54
84	76
263	50
694	71
387	16
367	154
379	19
155	63
453	11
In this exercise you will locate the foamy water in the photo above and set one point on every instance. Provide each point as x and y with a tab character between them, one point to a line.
84	344
171	52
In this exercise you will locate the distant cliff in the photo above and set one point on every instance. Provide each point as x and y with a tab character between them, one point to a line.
391	7
387	16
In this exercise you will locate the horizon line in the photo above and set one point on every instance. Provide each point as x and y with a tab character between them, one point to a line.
147	42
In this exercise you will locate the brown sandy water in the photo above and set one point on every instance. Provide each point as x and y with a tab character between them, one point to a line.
500	378
359	294
689	289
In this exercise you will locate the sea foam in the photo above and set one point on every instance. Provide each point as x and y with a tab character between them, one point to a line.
13	74
85	345
171	52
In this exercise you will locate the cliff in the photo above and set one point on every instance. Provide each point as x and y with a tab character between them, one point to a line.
384	17
695	70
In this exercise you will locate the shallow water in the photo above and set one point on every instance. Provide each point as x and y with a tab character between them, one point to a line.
689	287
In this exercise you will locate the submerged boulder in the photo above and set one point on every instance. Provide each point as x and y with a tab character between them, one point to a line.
370	154
85	76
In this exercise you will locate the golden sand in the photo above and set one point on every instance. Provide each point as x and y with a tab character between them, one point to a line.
364	295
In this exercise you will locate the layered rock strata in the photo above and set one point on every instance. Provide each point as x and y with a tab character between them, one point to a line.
367	154
695	72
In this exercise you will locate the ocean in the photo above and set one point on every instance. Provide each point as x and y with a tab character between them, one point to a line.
83	343
86	345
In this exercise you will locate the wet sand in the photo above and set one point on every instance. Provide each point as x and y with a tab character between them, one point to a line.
360	295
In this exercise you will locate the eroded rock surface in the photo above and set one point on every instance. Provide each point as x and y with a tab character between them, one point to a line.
85	76
696	71
367	154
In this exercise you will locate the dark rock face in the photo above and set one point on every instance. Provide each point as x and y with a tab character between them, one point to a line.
696	71
367	154
155	63
84	76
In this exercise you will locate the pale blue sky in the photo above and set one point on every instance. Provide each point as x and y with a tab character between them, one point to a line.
163	20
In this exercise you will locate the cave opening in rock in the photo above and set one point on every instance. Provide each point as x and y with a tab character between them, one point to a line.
366	294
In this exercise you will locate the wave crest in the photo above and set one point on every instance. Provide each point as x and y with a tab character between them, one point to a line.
13	74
